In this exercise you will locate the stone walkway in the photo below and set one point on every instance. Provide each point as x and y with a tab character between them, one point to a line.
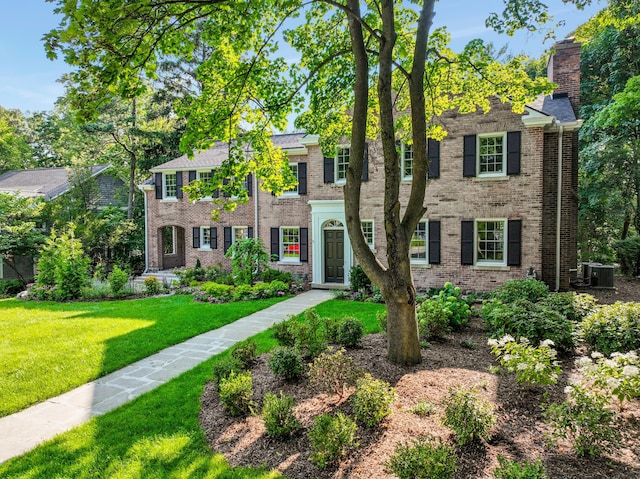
24	430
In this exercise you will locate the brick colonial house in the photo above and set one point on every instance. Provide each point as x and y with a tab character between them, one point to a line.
501	200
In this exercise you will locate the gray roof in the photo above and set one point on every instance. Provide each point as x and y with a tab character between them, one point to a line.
47	183
554	105
215	155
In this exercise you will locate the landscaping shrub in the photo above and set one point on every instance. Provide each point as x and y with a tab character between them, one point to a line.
223	369
459	310
529	289
468	415
10	287
572	306
118	280
310	338
613	328
220	292
245	353
284	332
334	372
152	286
242	292
372	400
287	363
425	458
619	374
423	408
359	279
628	255
532	365
278	416
349	332
331	437
586	420
509	469
248	258
236	393
433	319
187	276
277	287
270	274
382	320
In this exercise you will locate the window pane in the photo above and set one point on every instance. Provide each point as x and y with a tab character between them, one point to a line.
206	237
290	244
168	243
170	185
342	162
419	242
491	158
407	161
294	170
204	175
240	233
367	229
490	241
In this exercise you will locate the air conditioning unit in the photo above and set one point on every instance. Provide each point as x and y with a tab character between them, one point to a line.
602	276
586	272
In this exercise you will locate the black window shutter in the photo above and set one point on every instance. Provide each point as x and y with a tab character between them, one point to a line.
227	238
434	242
328	169
250	232
466	251
178	184
433	153
250	184
225	194
304	245
192	175
513	153
216	193
196	237
302	178
469	156
158	186
214	237
365	163
514	242
275	244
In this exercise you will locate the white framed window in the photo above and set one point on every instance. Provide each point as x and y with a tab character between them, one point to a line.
168	240
491	242
342	163
170	184
205	237
418	249
367	230
239	233
293	191
204	176
406	161
290	244
491	158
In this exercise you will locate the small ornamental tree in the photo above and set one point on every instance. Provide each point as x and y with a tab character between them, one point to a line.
248	259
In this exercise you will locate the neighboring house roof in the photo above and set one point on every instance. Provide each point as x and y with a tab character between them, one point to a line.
215	155
557	105
47	183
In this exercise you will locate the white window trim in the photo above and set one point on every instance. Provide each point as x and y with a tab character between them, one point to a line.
204	198
340	181
281	246
202	245
373	233
402	159
233	232
292	193
490	263
496	134
420	261
164	185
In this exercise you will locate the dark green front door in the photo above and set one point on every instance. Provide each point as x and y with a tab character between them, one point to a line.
334	256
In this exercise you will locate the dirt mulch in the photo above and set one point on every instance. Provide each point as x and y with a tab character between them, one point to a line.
520	432
626	290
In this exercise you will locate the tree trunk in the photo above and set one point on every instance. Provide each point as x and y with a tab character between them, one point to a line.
402	326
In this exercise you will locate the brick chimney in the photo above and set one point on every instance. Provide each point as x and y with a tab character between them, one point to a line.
563	68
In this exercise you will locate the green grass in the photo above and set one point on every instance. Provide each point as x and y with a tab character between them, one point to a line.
157	435
49	348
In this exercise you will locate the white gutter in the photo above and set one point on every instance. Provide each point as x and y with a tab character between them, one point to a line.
256	233
559	205
144	189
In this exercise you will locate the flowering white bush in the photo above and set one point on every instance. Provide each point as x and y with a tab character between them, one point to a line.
620	373
531	365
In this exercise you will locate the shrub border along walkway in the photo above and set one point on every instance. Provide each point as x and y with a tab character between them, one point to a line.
23	431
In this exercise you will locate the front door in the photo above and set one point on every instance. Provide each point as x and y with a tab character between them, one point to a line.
334	256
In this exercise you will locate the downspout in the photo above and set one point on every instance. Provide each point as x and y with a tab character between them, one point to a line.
255	206
559	205
146	235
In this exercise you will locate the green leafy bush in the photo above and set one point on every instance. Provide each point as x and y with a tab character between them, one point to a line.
509	469
349	332
310	338
152	286
529	289
284	332
286	363
572	306
628	255
118	280
619	374
433	319
242	292
223	369
277	287
270	274
423	408
382	320
10	286
425	458
586	420
278	415
331	437
248	257
532	365
217	291
372	400
236	393
334	372
359	279
245	353
468	415
459	310
613	328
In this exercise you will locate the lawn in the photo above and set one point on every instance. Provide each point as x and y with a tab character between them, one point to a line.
157	435
49	348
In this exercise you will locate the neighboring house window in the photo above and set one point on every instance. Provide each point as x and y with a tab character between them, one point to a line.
407	161
491	242
168	240
491	154
290	243
170	185
367	230
342	163
418	249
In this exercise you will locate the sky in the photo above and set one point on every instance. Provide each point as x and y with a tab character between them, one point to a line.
28	80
